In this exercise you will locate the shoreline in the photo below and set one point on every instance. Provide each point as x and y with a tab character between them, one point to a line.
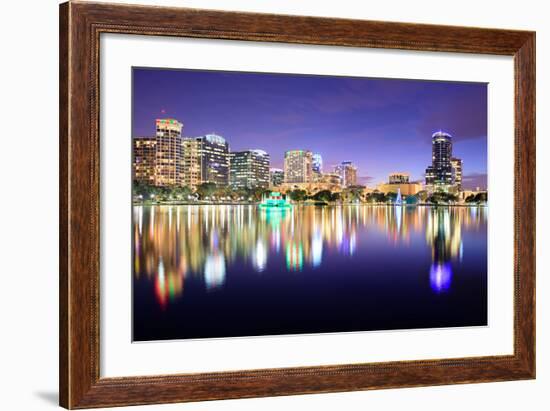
184	203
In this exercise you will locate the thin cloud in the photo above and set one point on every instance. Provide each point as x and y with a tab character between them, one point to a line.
364	180
474	180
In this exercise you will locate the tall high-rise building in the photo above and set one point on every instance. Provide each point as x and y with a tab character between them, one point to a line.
440	173
168	152
214	152
276	176
298	166
144	149
348	173
317	165
457	171
249	169
430	176
191	162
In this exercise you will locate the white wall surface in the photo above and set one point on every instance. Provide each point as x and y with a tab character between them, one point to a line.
28	205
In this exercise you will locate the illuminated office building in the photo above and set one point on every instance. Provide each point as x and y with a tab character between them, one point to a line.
430	176
214	152
317	166
348	172
144	149
249	169
298	166
276	176
168	152
398	178
406	189
331	179
400	182
457	171
440	174
191	162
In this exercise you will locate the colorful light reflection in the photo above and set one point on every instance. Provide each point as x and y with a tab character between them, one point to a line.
210	239
441	275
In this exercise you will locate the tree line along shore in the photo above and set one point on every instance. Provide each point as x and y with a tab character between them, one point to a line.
210	193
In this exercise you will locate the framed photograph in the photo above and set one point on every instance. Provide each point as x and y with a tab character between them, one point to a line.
259	205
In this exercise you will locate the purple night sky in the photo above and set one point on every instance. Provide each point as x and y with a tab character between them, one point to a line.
382	125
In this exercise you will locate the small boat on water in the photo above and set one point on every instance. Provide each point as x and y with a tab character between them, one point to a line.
275	200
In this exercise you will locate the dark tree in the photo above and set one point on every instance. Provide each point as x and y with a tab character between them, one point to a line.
323	195
206	190
298	195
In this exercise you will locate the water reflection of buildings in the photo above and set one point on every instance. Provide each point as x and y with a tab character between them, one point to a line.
214	270
445	239
174	243
444	235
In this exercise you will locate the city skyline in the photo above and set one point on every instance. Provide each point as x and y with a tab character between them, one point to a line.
377	142
255	196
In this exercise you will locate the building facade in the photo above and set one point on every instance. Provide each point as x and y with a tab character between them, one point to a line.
317	166
440	173
168	159
406	189
276	176
398	178
144	151
214	153
249	169
191	162
298	166
430	176
168	152
400	182
456	163
348	173
332	179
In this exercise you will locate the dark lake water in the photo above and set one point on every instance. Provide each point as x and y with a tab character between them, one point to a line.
225	271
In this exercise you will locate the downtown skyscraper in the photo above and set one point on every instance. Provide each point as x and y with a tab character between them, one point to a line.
214	154
144	154
440	173
168	152
249	169
298	166
457	171
276	176
347	172
317	166
191	162
168	159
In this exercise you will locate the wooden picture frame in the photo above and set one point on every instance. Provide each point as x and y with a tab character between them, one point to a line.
80	27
